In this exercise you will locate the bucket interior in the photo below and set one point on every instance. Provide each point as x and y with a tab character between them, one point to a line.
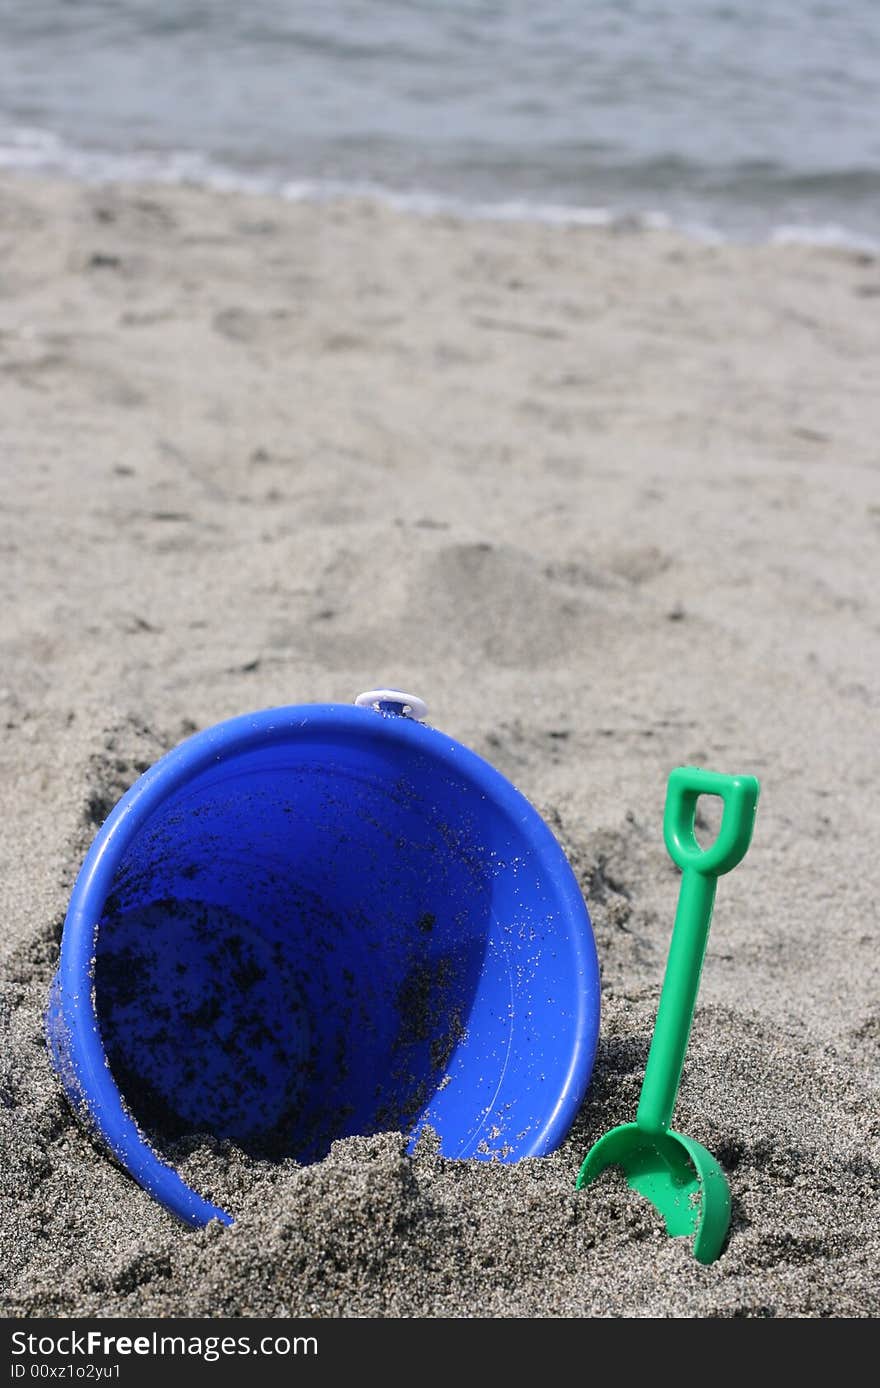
325	936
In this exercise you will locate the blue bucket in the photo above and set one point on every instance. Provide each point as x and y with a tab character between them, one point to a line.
321	920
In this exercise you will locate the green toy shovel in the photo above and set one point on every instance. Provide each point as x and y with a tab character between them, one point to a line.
676	1174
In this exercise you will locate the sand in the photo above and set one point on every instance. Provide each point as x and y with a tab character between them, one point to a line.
608	500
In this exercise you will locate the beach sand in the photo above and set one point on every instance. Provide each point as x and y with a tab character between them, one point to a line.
608	500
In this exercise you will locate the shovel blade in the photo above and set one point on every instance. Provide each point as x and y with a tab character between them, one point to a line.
679	1177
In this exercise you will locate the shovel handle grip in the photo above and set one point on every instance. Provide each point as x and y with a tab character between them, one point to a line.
740	797
700	868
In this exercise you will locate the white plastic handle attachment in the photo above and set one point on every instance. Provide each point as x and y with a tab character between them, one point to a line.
394	701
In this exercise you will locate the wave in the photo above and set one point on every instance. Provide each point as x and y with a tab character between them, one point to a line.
827	234
28	149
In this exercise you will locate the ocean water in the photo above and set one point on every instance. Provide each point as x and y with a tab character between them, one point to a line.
746	118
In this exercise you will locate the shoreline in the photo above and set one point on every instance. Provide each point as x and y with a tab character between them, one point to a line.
47	158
